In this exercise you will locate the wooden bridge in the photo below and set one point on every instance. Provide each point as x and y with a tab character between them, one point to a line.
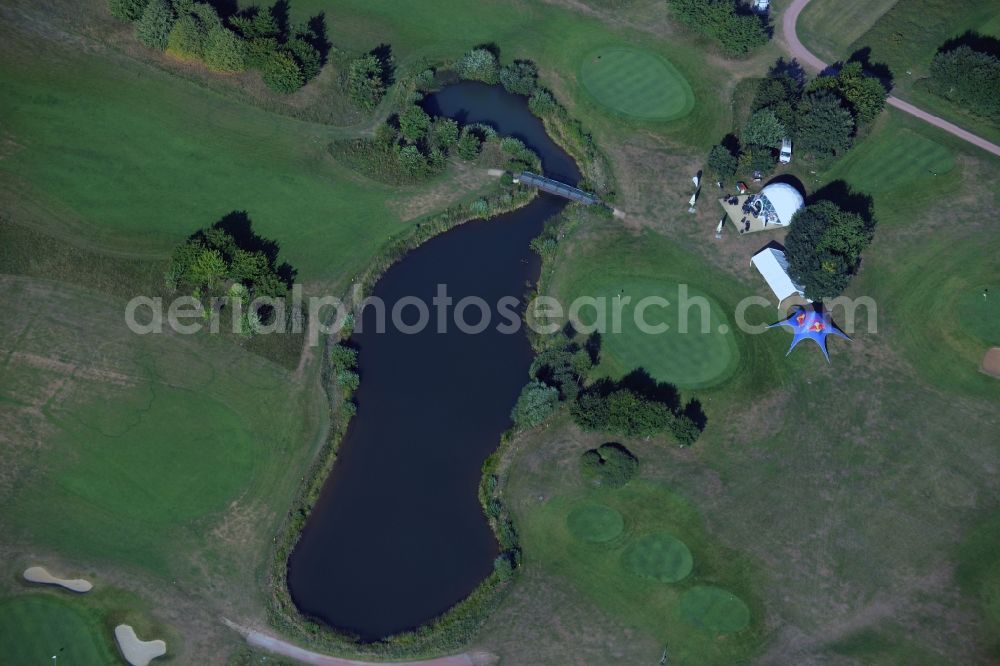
557	188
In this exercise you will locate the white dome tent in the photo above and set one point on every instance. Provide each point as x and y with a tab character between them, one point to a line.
780	202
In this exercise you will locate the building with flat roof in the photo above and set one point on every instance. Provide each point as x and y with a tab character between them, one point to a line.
773	267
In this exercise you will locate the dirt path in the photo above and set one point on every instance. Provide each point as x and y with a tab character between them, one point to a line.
274	645
803	55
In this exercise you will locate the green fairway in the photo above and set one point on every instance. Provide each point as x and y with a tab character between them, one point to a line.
595	522
660	557
702	353
714	610
977	311
894	159
33	628
636	83
828	27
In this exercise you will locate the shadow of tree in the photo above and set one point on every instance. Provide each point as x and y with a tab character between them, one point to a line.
847	198
975	41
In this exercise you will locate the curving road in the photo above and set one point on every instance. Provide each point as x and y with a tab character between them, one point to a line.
798	51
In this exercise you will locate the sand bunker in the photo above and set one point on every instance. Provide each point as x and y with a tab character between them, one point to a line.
991	362
136	652
41	575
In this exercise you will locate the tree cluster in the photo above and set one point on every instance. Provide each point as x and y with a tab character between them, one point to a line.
613	408
736	29
611	465
367	80
824	248
251	39
968	78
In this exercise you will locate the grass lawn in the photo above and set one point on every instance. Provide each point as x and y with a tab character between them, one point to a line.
664	575
895	159
35	627
829	27
636	83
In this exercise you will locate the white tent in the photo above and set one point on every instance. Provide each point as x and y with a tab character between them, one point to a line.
773	266
785	200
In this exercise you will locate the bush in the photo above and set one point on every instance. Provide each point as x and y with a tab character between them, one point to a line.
536	402
520	77
281	73
542	103
685	430
610	465
445	133
343	357
824	248
478	65
187	38
306	55
736	31
722	163
366	81
127	10
153	28
348	380
225	51
414	123
564	369
969	78
621	412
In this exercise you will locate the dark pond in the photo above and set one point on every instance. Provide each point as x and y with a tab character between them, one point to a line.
398	535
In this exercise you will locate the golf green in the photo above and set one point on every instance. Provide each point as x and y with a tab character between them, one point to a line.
896	159
35	628
714	609
659	556
636	83
683	338
595	523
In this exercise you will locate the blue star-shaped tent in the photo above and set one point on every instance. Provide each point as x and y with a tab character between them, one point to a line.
813	324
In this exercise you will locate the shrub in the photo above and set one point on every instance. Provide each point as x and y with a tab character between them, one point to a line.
542	102
685	430
306	55
225	51
411	160
611	465
127	10
479	65
736	31
969	78
414	123
536	402
621	412
153	28
187	38
366	81
445	133
824	248
564	369
348	380
519	77
343	357
479	207
281	73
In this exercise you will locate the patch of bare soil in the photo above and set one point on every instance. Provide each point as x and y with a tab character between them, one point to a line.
991	362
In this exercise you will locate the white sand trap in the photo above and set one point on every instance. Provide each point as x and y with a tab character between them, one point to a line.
41	575
136	652
496	173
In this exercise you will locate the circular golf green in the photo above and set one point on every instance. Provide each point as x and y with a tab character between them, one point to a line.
35	627
659	556
636	83
688	341
595	523
714	609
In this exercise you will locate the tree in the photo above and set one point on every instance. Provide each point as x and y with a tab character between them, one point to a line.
153	28
479	65
411	160
534	405
468	145
562	368
306	55
207	269
348	381
824	126
187	38
365	81
764	129
281	73
865	94
621	412
824	248
520	77
736	31
256	25
969	78
343	357
445	133
127	10
414	123
722	162
225	51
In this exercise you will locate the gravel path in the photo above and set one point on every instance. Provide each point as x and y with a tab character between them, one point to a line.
803	55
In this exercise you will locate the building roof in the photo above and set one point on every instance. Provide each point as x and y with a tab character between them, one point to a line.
773	266
784	199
